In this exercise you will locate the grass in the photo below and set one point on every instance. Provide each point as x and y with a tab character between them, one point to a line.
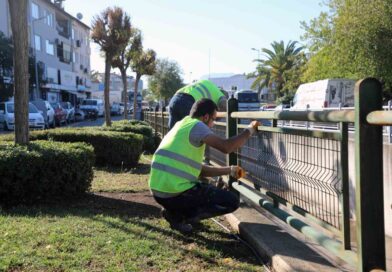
106	232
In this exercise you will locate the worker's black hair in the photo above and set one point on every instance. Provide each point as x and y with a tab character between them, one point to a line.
202	107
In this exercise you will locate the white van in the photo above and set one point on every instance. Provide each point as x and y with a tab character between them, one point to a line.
93	104
327	93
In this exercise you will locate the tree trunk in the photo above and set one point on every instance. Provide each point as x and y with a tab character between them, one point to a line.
135	95
18	12
125	93
108	65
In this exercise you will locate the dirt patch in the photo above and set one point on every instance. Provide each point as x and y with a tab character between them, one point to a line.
140	197
140	204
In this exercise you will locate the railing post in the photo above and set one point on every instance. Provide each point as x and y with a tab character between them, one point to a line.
389	129
369	178
162	124
231	130
345	196
155	122
307	122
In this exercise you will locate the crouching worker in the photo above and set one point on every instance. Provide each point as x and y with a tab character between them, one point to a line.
177	166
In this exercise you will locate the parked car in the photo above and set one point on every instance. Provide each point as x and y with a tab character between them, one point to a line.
282	107
115	109
7	118
79	115
93	104
47	112
69	108
128	107
60	114
268	107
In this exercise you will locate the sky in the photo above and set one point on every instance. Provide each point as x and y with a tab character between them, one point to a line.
206	36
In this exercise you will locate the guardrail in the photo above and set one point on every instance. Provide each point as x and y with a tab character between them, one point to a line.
306	172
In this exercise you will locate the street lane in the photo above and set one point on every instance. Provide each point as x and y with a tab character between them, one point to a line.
86	123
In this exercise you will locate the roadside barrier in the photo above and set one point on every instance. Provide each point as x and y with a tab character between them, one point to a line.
302	175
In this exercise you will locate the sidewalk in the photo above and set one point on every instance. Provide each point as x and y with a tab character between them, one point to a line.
284	248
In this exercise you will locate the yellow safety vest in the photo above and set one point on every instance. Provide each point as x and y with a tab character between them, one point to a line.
176	165
202	89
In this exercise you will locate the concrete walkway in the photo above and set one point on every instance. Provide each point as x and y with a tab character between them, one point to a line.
284	248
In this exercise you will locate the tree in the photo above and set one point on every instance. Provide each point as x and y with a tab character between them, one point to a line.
18	12
143	63
357	44
149	96
273	70
6	65
6	60
122	61
6	68
111	31
166	80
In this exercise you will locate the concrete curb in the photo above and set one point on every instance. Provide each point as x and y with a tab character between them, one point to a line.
280	249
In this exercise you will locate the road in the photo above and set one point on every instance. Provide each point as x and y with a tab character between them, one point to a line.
87	123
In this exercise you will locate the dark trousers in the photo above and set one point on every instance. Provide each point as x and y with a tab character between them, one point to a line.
179	106
200	202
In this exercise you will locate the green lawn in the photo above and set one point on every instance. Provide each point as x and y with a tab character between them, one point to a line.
113	230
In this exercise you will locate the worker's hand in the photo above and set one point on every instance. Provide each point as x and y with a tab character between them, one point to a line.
237	172
252	127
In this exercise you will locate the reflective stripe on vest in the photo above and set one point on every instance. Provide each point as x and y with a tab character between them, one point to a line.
172	170
206	90
178	157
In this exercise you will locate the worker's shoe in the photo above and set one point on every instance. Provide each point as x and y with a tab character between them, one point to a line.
176	223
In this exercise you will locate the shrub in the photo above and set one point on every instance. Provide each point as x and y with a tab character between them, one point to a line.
138	127
33	135
44	170
111	148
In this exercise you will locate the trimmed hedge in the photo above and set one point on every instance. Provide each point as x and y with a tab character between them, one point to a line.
44	170
111	148
33	136
138	127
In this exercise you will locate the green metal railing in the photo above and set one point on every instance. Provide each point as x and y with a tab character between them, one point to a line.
307	171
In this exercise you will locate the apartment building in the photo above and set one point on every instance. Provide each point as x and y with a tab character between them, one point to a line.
115	87
61	46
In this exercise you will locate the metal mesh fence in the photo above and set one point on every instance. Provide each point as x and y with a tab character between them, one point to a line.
303	170
214	154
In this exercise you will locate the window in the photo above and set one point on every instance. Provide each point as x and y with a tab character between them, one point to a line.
34	10
73	57
67	57
73	34
49	19
49	48
37	42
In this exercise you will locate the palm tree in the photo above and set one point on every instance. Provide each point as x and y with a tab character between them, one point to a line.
111	31
271	71
123	60
143	63
18	11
